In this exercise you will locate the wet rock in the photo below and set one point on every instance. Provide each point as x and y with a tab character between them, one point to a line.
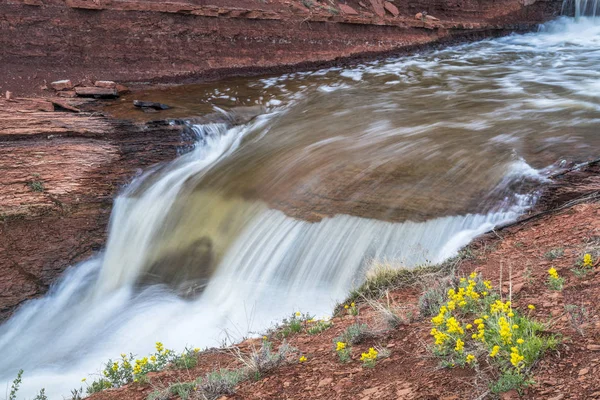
392	9
97	92
62	85
150	104
346	9
105	84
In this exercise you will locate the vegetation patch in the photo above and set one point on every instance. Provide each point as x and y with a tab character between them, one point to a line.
475	326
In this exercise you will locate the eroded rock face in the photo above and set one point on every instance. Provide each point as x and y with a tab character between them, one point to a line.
138	40
58	175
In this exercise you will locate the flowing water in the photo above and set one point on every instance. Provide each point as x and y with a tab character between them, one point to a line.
403	159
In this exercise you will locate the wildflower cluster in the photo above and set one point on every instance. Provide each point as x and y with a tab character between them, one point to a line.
129	369
369	358
587	261
474	323
555	282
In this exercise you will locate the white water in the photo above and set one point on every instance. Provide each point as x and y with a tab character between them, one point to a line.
269	265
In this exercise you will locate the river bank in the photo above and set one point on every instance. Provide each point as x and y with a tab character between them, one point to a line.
184	41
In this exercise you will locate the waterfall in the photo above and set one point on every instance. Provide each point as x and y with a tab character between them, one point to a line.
580	8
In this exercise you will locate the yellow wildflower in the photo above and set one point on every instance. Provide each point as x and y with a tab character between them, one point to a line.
196	350
84	379
553	274
346	306
371	355
302	359
515	357
587	260
531	307
453	326
473	275
469	326
115	367
520	341
494	351
511	314
470	358
459	345
298	313
487	284
340	346
515	326
159	347
352	305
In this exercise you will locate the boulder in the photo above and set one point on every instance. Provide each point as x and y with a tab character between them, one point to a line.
62	85
150	104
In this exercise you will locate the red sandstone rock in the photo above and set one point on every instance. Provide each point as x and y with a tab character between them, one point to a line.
392	9
346	9
105	84
66	93
378	7
122	89
62	85
96	92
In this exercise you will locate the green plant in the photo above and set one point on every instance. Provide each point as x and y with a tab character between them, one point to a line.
182	389
578	316
294	324
474	322
555	253
369	358
14	387
318	327
355	334
264	359
220	383
510	380
343	351
555	282
41	395
77	394
186	360
129	369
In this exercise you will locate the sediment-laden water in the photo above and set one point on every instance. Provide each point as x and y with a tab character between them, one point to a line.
403	159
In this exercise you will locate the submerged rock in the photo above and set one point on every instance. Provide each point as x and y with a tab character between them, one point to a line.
150	104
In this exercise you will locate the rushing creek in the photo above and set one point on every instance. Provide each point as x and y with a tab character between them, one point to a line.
402	159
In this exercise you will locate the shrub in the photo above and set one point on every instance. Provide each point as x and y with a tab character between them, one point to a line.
355	334
555	253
